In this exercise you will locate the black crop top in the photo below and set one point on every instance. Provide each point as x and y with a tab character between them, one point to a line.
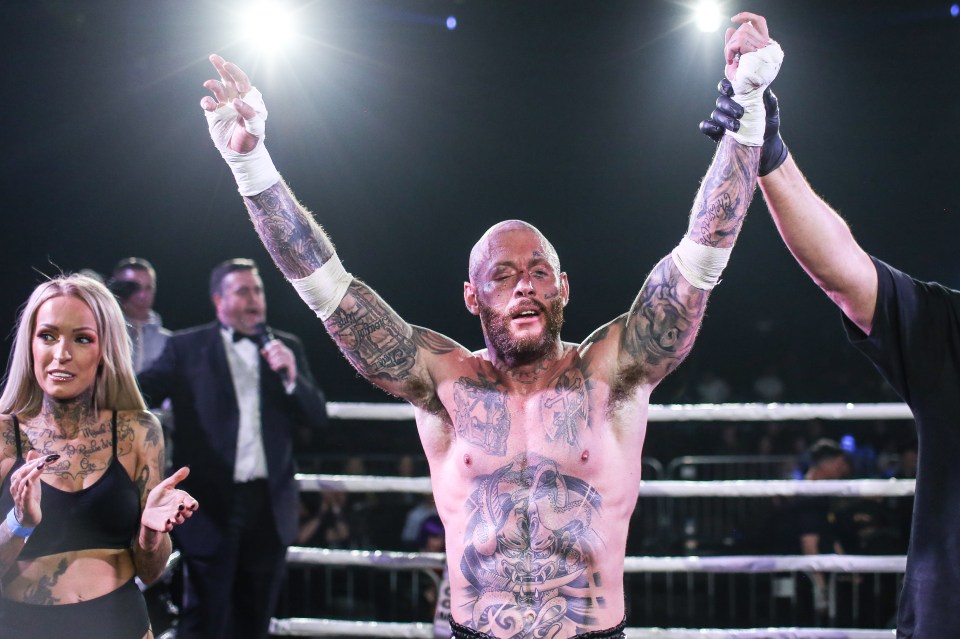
105	514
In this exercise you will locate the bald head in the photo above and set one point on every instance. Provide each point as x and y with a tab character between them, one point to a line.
497	234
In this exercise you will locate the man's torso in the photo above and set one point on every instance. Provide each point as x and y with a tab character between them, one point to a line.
535	480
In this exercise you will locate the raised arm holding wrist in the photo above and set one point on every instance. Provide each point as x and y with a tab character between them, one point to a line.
663	322
816	235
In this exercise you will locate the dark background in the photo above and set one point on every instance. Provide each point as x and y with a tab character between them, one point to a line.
408	140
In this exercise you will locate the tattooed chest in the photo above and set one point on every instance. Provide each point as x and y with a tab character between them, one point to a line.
79	458
530	551
485	416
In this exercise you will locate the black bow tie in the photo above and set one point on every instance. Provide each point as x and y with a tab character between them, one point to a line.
241	336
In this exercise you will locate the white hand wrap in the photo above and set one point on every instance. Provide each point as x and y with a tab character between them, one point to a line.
253	171
700	265
756	71
323	289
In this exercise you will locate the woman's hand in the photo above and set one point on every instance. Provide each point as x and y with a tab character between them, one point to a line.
166	507
25	488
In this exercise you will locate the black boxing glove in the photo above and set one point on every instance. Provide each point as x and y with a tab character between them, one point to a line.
726	118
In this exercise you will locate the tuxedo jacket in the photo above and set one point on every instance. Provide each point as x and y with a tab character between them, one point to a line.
193	372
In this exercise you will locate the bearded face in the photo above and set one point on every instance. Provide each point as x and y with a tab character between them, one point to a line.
523	343
518	290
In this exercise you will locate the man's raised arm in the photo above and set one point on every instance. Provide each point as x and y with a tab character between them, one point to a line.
822	243
816	235
662	324
382	347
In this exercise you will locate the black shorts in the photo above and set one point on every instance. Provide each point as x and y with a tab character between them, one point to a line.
462	632
121	614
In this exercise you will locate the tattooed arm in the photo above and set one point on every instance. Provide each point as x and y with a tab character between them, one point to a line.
151	548
385	349
377	342
663	322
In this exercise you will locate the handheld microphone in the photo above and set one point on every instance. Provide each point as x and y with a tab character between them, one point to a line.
264	335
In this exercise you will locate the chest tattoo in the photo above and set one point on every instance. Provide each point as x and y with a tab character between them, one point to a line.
566	408
481	416
79	460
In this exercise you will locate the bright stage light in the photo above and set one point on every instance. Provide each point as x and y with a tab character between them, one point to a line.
955	10
269	26
707	16
451	23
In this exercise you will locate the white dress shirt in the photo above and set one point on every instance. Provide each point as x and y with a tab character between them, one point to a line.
243	356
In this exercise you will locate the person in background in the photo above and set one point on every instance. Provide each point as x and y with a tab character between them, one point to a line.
134	281
240	393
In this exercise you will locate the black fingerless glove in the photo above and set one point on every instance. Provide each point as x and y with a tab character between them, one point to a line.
726	117
774	151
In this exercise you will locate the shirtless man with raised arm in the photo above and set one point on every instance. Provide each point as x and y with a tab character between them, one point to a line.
533	443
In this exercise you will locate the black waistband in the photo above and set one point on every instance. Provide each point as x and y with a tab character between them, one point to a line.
459	631
120	614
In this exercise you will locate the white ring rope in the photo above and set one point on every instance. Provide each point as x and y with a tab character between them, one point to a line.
300	627
769	563
673	412
725	564
375	558
658	488
364	484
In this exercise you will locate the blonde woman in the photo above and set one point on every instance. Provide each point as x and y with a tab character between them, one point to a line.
82	504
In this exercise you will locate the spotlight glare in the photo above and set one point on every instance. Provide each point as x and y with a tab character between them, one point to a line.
269	25
955	10
451	23
707	16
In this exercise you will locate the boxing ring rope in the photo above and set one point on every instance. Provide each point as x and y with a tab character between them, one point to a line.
659	488
656	488
674	412
298	555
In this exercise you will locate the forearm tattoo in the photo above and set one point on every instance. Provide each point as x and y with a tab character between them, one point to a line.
529	552
375	341
294	240
722	201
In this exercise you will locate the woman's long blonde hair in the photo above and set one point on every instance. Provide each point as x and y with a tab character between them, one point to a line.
115	386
